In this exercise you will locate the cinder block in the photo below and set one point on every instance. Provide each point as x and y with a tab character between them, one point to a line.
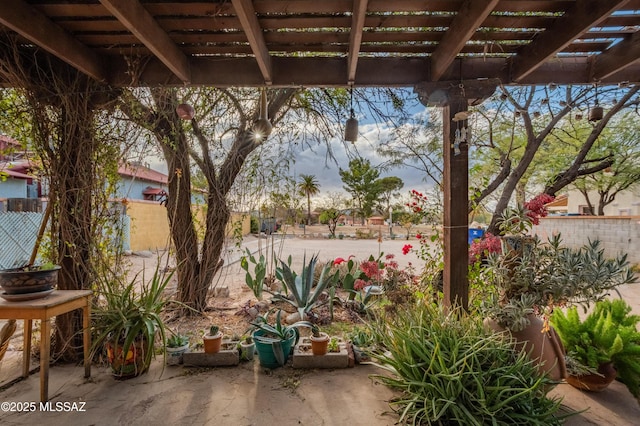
228	356
303	358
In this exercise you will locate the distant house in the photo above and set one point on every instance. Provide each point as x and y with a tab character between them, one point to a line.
20	180
139	182
626	203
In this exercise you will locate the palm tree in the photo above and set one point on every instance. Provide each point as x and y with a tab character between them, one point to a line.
308	186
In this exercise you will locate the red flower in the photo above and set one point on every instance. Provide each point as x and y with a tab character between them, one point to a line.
406	248
338	261
419	236
359	284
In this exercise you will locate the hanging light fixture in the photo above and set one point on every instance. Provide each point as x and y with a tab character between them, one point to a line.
185	111
351	128
262	126
597	111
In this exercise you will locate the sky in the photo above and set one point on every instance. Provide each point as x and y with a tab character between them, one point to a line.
312	162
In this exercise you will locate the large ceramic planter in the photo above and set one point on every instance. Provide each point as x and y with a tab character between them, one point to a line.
271	353
543	347
174	355
20	281
129	365
594	382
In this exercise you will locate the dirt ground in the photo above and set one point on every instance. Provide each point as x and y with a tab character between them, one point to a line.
248	394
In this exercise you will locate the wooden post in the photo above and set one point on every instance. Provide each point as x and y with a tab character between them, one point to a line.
456	202
454	98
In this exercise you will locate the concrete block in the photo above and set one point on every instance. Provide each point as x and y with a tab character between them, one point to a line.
228	356
303	358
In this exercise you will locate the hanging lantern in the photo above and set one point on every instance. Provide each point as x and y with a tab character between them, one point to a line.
351	127
596	113
185	111
262	126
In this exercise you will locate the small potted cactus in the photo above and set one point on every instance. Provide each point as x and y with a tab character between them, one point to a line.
177	345
319	341
212	340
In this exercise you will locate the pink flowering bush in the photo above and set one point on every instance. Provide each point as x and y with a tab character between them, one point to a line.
519	220
383	271
482	247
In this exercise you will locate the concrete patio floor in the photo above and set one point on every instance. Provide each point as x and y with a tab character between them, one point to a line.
250	395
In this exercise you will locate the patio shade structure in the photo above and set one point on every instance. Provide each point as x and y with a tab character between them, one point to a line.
452	52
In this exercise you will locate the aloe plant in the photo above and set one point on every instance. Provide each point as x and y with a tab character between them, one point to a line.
303	288
451	370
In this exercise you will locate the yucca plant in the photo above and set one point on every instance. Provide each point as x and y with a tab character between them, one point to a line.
451	370
608	334
127	318
304	290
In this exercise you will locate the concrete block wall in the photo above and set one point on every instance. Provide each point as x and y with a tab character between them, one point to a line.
617	234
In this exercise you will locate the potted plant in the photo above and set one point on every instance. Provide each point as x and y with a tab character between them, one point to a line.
605	343
532	278
127	319
212	340
177	345
29	279
319	341
247	348
274	341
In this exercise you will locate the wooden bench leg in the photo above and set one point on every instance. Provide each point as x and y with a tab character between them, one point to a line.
45	347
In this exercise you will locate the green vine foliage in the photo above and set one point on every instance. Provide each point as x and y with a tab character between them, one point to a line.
608	334
451	370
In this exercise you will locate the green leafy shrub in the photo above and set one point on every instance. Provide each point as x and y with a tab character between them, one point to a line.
607	334
451	370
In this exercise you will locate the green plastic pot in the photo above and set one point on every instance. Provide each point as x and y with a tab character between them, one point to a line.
273	353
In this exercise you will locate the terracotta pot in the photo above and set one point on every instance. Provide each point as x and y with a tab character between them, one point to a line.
320	345
545	347
594	382
212	344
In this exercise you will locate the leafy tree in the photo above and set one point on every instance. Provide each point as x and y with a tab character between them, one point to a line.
229	117
620	142
330	218
359	181
308	186
388	188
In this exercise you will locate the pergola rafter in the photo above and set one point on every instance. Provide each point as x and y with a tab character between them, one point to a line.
363	42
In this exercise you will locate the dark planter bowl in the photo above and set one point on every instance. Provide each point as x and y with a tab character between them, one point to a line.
19	281
594	382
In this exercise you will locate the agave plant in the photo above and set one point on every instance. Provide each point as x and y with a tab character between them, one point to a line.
304	290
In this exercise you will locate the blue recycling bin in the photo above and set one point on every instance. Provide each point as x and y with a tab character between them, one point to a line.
475	233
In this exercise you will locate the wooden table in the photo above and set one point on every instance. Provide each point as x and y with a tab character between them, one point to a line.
56	303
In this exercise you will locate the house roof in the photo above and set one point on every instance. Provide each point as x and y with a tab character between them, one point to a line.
15	174
560	201
138	171
154	191
295	43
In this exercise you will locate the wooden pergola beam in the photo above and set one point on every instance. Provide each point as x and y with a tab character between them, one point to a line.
618	57
249	21
141	24
470	16
577	20
37	28
355	37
